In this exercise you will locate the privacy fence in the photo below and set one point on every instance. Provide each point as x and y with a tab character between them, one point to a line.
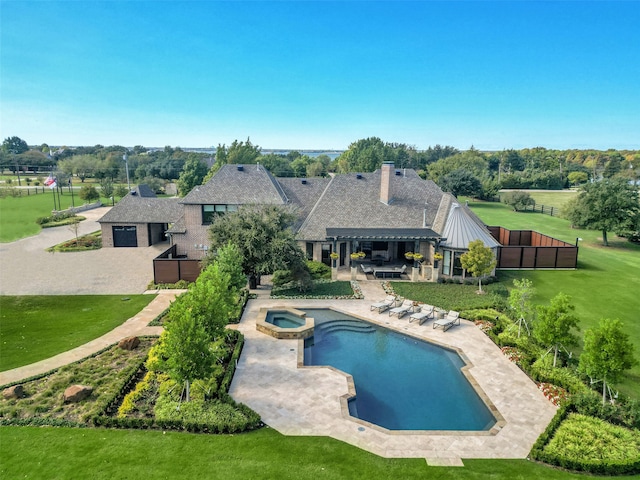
527	249
170	268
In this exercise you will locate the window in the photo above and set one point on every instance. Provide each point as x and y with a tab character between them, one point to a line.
326	252
210	211
457	265
446	263
309	251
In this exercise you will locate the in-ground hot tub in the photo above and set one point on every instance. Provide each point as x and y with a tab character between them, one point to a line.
283	322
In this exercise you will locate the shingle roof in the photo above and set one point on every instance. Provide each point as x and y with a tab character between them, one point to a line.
135	209
352	202
461	228
238	185
303	196
143	190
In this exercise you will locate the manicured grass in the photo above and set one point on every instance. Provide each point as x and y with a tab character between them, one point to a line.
552	198
18	214
605	284
453	296
63	453
33	328
339	288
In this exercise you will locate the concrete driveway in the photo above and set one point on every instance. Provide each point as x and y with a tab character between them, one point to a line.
26	268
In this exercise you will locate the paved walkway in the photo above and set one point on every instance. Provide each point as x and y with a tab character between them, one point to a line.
136	325
299	400
28	269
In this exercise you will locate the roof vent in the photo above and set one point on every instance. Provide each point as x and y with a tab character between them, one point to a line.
358	176
398	173
240	168
304	181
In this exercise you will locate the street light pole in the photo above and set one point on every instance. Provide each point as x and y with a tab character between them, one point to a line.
126	162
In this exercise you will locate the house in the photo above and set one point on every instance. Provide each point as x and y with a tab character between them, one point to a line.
140	219
384	214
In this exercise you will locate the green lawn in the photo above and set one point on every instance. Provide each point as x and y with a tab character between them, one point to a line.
552	198
33	328
65	453
605	285
18	214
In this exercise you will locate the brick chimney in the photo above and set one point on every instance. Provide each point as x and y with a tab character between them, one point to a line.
386	175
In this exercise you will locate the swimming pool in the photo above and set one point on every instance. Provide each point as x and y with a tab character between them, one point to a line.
401	383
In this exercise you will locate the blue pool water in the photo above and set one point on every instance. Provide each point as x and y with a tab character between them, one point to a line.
284	320
401	383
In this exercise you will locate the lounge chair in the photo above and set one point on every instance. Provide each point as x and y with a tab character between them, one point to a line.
402	309
423	315
366	270
447	322
383	305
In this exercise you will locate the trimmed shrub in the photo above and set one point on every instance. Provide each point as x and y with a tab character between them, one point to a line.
318	270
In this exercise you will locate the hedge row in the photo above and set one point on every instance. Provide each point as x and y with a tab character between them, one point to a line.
605	467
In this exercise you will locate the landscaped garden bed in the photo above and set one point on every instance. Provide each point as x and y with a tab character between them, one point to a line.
91	241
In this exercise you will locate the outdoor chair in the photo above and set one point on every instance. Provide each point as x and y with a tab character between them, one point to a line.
383	305
452	318
423	315
402	309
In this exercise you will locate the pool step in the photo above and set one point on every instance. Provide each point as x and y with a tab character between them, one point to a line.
341	326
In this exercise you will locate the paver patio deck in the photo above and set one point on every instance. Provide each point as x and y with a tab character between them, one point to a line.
308	400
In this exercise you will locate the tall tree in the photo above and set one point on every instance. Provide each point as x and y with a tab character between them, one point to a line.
14	145
229	261
365	155
187	348
611	204
211	299
478	260
262	233
192	174
607	353
554	323
461	182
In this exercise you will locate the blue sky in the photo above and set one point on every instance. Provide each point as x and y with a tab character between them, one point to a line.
320	75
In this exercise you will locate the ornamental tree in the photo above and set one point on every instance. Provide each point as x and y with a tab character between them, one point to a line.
520	301
518	199
607	353
186	345
478	261
554	323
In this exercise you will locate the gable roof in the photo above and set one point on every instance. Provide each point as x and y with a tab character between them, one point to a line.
353	201
461	228
238	185
135	209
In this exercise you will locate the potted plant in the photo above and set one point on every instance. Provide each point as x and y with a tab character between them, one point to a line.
409	255
334	256
436	257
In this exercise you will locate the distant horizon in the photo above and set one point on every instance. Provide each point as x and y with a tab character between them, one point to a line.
496	75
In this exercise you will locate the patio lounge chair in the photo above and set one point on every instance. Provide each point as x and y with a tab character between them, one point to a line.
366	270
383	305
402	309
447	322
423	315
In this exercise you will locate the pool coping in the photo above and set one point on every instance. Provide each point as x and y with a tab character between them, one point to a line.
344	400
308	401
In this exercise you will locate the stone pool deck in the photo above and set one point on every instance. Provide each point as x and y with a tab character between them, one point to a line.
311	400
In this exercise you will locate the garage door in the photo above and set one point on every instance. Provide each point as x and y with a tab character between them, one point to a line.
125	237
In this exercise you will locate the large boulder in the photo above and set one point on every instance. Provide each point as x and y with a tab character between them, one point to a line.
129	343
77	393
13	392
